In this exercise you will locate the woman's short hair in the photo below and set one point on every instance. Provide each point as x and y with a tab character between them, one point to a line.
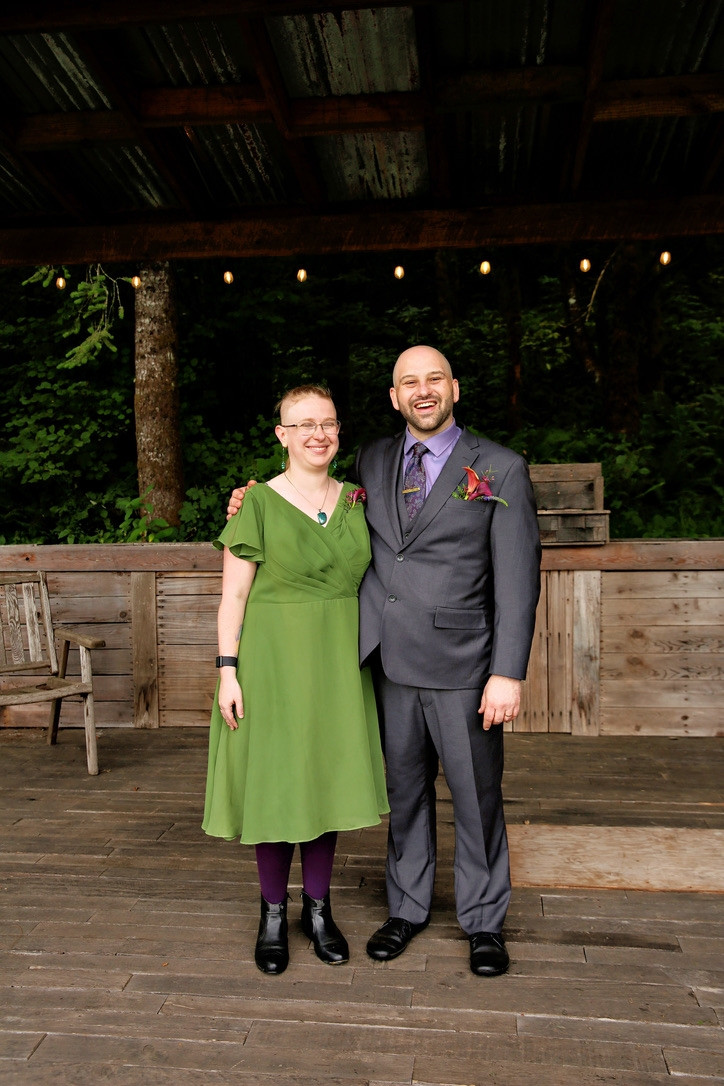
293	394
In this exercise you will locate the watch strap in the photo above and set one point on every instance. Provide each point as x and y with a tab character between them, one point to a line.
227	661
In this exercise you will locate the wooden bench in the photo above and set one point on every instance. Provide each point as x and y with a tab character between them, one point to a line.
27	644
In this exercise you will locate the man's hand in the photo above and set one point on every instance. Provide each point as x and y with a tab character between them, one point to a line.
237	497
500	702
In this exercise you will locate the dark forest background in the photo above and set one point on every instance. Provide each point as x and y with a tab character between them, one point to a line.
622	365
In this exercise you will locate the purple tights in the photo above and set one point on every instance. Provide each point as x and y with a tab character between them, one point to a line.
274	859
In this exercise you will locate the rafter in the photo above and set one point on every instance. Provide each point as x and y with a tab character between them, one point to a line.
286	233
619	100
602	23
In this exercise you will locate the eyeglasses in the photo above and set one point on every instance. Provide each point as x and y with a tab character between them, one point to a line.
307	428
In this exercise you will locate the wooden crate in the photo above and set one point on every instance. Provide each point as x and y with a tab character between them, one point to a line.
570	504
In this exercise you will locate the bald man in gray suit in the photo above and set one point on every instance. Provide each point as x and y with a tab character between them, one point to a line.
447	612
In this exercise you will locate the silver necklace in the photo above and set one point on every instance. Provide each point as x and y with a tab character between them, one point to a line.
321	516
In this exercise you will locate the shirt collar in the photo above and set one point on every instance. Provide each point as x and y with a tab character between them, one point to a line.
438	443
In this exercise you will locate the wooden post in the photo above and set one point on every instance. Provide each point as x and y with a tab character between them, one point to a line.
586	663
144	650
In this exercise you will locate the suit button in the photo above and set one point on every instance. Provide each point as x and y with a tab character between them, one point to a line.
400	557
392	599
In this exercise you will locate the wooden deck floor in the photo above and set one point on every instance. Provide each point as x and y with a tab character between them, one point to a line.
127	937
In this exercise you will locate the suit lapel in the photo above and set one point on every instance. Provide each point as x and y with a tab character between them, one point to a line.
391	476
464	454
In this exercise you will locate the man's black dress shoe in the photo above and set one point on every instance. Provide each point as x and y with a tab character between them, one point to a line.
392	938
488	956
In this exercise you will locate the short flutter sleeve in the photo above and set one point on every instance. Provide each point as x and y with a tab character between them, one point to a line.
244	533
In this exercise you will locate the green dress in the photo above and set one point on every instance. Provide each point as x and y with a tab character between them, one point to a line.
306	757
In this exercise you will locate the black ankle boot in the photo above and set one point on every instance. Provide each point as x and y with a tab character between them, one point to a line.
317	924
272	949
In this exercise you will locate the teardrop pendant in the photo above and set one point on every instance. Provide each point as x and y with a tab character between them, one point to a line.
322	517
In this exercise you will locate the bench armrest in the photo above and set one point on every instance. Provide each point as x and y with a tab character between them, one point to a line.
66	633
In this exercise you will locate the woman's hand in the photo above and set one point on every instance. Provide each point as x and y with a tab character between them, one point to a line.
230	698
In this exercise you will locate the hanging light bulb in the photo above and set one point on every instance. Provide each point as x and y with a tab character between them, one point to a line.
60	283
302	275
399	272
135	281
485	268
585	265
228	277
665	257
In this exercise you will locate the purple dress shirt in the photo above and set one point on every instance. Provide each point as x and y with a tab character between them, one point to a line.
440	446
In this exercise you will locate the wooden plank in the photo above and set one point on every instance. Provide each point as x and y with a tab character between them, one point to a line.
673	722
144	650
634	554
650	583
186	718
661	612
670	665
189	583
661	639
586	653
107	713
635	857
534	696
105	661
108	687
89	583
111	557
628	693
560	649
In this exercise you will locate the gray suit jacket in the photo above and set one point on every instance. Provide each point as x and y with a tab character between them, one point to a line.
451	598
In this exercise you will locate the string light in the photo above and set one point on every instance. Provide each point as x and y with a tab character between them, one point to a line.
302	275
485	268
585	265
665	257
135	281
399	272
228	277
60	283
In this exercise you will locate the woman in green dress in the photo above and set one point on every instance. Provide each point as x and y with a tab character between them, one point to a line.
294	748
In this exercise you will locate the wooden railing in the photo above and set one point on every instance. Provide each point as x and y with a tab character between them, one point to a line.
629	638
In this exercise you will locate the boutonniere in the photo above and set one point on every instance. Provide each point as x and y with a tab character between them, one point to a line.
477	488
354	496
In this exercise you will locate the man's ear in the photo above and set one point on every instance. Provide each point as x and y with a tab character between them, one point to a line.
456	390
393	397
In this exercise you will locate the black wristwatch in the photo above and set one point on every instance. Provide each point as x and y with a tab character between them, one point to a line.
227	661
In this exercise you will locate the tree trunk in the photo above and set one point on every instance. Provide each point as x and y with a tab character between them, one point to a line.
628	303
156	401
581	346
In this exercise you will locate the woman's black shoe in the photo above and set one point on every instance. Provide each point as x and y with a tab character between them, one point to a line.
272	948
317	924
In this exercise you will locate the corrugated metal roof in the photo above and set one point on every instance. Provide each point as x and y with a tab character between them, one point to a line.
435	104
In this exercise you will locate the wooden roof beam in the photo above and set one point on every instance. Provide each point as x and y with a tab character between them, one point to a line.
286	232
619	100
602	24
103	68
272	85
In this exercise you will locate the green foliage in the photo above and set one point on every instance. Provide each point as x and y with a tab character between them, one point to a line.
67	451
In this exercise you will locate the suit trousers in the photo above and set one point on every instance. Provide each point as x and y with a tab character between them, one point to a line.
422	729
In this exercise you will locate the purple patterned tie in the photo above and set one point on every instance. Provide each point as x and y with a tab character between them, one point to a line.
413	485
